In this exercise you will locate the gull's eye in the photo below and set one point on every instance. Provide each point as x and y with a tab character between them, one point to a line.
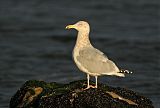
80	25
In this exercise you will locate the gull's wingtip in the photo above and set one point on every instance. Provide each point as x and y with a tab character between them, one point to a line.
125	71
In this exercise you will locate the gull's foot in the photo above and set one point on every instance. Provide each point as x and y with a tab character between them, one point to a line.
90	86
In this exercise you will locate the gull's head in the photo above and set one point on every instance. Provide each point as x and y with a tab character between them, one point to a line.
81	26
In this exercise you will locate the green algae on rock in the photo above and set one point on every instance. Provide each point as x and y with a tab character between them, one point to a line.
39	94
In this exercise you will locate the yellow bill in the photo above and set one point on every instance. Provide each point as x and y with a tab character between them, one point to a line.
70	26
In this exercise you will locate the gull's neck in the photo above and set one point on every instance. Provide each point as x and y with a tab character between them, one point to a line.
83	40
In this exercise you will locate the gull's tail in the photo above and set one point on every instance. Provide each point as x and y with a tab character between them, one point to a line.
125	71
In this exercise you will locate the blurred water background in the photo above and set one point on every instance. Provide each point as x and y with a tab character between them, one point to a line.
35	45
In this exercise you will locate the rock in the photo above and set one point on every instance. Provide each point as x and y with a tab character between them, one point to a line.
39	94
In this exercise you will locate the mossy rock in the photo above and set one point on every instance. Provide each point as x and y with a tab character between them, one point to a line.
39	94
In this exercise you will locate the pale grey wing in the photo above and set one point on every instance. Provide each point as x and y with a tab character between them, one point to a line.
95	61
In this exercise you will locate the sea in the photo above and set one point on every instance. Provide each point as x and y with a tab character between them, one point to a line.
34	44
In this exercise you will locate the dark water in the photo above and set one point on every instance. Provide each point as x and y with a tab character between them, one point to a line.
35	45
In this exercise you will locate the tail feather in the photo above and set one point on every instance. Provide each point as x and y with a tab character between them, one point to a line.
125	71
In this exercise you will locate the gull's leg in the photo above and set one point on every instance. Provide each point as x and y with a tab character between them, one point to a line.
96	77
88	81
90	86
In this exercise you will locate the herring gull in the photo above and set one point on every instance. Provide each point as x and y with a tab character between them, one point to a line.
89	59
